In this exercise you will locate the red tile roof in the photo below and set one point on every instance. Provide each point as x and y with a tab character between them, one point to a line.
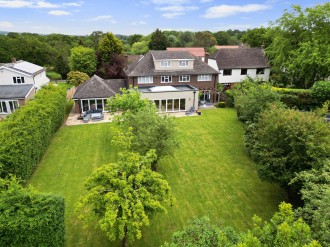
196	51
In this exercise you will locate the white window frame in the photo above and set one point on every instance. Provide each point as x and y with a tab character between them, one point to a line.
183	63
165	63
204	77
184	78
166	79
145	80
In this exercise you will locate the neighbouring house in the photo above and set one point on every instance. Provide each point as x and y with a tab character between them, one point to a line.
93	94
196	51
19	81
174	80
236	64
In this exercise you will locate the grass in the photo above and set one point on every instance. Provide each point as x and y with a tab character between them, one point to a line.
210	174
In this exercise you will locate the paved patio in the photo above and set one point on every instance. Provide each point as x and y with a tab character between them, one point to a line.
73	118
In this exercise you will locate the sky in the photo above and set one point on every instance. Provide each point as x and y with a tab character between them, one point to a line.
140	16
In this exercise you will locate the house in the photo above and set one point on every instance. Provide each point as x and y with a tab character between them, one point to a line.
19	81
174	80
236	64
196	51
93	94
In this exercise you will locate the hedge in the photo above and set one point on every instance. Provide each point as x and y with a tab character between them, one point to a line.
26	133
28	218
301	99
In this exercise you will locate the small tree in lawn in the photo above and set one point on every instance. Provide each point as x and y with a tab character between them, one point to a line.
122	196
150	130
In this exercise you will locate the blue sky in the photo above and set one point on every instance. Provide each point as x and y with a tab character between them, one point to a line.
139	16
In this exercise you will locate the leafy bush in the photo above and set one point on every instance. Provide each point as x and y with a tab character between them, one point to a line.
285	141
76	77
321	91
26	133
229	98
28	218
251	98
221	104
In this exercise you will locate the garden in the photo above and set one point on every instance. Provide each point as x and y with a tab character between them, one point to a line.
210	175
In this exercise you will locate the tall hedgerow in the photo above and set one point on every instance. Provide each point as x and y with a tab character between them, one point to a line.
26	133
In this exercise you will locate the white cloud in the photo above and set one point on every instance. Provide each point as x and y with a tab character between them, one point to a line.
42	4
15	4
172	15
170	2
177	8
5	24
73	4
138	23
103	18
228	10
58	12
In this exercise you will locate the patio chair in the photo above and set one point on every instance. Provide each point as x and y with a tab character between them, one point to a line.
191	111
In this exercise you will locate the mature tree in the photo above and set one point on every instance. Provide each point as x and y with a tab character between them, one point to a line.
315	194
204	39
123	196
76	78
134	38
150	130
140	48
222	37
128	101
286	141
95	38
300	51
172	41
257	37
251	98
185	39
109	44
83	59
113	69
158	40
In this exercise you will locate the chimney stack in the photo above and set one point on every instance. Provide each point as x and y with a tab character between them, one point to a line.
206	60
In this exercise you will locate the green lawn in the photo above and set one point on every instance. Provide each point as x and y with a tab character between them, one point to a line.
210	174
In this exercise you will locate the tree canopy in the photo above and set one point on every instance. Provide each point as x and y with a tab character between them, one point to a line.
123	195
300	51
158	40
83	59
108	45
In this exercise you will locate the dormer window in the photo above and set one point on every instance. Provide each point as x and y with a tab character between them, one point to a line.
183	63
18	80
165	63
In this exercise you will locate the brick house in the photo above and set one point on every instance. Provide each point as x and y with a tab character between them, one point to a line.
168	76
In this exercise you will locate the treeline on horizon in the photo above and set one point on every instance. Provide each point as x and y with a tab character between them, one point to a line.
53	50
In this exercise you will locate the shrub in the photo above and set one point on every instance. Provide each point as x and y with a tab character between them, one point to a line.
321	91
251	98
297	98
286	142
76	78
28	218
229	98
26	133
221	104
